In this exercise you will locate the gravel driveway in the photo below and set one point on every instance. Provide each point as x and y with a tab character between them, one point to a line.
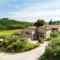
29	55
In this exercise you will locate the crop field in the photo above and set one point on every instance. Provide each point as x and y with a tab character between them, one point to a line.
9	32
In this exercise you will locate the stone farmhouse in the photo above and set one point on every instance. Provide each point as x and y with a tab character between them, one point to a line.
43	32
54	27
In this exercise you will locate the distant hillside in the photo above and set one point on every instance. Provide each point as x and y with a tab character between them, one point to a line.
6	23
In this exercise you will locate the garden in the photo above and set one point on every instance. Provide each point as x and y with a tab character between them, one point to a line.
15	43
52	51
9	32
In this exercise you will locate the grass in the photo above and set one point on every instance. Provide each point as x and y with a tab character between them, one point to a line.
31	46
9	32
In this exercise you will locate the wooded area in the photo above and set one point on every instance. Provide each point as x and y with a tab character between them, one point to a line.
6	23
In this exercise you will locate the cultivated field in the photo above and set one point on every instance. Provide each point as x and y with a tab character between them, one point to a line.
9	32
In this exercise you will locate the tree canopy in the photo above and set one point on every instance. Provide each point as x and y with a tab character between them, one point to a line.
39	22
54	22
6	23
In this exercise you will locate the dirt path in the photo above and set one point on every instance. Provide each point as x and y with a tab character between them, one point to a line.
30	55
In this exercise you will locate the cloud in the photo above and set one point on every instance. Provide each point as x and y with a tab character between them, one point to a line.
30	10
50	10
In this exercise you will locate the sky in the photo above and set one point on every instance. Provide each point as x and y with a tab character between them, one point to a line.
30	10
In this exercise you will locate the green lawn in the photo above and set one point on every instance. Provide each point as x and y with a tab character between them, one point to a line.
9	32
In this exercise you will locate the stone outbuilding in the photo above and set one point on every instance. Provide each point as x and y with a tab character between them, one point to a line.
32	34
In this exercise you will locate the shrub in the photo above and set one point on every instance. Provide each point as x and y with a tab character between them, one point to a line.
43	57
15	47
30	46
53	50
2	36
50	38
14	44
54	34
16	33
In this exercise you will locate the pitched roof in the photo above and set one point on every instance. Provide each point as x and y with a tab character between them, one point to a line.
54	26
47	27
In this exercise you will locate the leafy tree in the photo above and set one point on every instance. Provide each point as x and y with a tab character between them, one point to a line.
54	22
6	23
39	23
58	22
50	22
